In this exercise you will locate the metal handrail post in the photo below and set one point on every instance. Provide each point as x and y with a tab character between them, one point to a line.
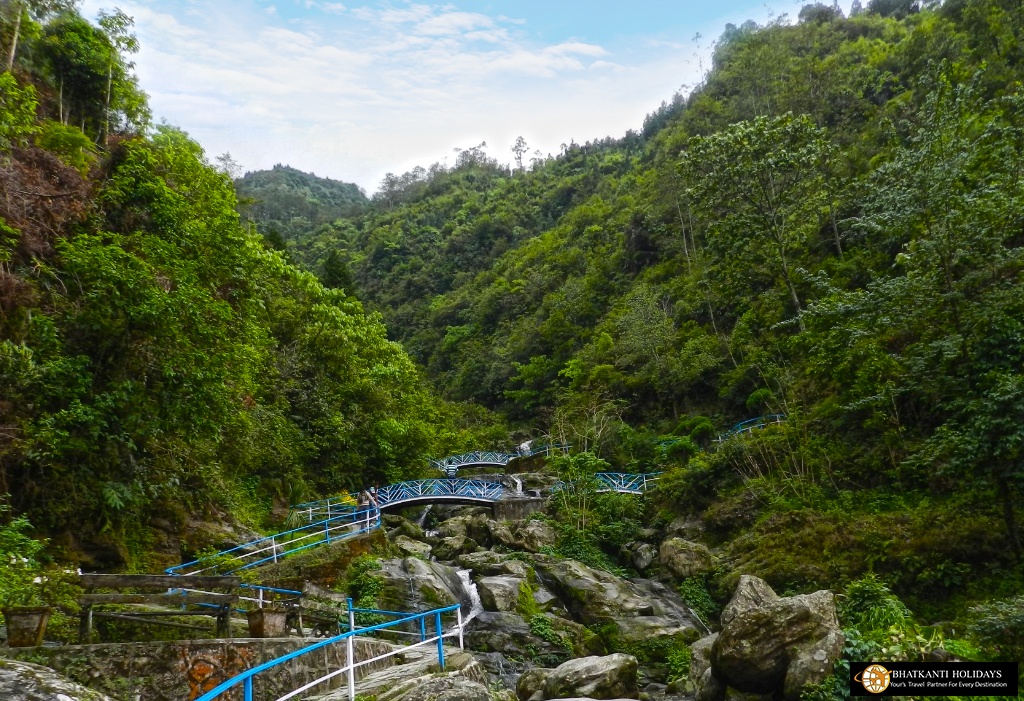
350	654
423	628
351	616
440	640
247	689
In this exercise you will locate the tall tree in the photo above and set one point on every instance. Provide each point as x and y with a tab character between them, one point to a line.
37	10
760	185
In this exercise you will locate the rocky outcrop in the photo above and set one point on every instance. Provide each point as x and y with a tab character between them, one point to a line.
412	548
412	584
22	681
488	563
530	535
448	549
608	677
500	593
682	558
770	644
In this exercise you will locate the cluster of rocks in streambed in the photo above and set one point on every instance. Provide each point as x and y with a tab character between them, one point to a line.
563	626
769	645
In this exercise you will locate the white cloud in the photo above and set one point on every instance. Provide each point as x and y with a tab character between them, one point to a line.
355	92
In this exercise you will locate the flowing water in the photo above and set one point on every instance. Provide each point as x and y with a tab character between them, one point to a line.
423	517
469	586
519	484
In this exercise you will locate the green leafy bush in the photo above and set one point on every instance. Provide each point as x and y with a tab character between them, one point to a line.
999	628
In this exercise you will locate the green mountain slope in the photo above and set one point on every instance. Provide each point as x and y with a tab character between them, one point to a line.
828	228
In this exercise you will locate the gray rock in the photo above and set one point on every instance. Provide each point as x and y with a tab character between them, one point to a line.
530	535
22	681
644	556
783	644
700	659
530	686
751	593
608	677
499	593
509	633
709	688
683	559
450	548
488	563
412	584
398	525
410	547
736	695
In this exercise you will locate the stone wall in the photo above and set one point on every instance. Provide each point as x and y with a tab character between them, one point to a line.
184	670
517	509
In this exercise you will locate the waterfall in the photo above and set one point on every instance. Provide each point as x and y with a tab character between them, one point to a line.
423	517
519	484
469	586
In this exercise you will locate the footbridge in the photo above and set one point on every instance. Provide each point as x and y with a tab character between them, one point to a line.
621	482
477	458
751	425
349	516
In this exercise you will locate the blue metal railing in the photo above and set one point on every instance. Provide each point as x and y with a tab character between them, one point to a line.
245	679
273	548
622	482
451	464
444	489
750	425
441	489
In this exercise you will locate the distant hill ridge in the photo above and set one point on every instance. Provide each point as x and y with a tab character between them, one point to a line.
292	202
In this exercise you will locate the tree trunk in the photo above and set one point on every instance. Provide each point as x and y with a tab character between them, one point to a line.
835	228
106	107
14	37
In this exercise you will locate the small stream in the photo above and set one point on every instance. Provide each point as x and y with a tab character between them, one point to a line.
469	586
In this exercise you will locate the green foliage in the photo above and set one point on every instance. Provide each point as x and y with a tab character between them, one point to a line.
362	583
17	112
678	660
868	604
999	628
540	625
694	592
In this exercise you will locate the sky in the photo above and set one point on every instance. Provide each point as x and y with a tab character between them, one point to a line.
356	89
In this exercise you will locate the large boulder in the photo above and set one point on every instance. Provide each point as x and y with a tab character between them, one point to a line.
500	593
412	584
608	677
448	549
475	526
530	685
530	535
412	548
770	644
682	558
700	658
487	563
22	681
751	593
510	634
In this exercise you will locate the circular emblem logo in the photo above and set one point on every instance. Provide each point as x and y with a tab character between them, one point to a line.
875	678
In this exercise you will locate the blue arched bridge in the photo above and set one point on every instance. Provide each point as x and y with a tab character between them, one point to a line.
347	516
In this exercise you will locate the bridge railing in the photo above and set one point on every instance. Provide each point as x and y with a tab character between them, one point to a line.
275	547
424	620
418	489
751	424
624	482
451	464
324	509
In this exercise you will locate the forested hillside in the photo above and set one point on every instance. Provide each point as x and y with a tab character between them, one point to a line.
158	360
829	228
